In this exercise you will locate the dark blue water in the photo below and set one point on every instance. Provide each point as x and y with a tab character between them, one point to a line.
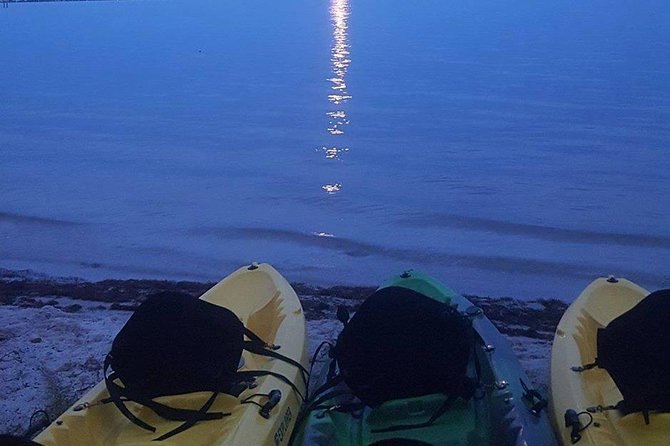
514	147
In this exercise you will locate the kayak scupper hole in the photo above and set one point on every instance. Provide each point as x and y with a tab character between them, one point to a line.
560	333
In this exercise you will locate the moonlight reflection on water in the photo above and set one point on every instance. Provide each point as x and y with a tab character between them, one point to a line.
338	96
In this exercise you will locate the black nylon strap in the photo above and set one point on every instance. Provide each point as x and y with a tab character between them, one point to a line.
345	407
176	414
162	410
119	395
115	394
258	349
271	347
254	337
312	405
199	416
583	368
325	397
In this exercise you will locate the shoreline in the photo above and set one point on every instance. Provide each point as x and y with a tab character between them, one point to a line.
538	316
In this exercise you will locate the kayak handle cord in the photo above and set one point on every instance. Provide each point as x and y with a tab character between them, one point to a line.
273	399
571	418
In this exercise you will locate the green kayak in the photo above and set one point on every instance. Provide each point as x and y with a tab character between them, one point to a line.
503	410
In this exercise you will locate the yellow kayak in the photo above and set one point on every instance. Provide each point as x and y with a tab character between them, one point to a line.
267	305
585	394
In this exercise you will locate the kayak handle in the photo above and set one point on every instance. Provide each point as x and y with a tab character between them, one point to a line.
273	399
572	421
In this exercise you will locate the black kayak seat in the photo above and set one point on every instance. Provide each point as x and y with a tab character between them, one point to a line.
635	350
402	344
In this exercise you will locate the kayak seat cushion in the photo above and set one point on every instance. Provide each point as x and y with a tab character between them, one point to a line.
402	344
635	350
175	344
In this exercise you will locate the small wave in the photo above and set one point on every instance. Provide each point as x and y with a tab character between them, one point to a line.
549	233
354	248
30	219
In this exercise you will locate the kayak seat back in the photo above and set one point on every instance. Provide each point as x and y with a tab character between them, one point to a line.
402	344
635	350
175	344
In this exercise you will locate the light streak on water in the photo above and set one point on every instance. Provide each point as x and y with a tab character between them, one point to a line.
339	95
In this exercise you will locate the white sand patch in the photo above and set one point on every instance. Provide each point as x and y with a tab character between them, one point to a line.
322	330
49	357
535	355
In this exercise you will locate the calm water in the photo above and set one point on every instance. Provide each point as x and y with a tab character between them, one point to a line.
508	147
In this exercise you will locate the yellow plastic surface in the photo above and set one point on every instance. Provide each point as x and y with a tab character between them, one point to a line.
574	345
267	304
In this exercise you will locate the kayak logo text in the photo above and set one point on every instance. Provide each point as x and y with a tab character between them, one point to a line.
283	427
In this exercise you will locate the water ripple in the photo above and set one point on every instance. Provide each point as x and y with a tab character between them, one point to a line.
30	219
356	248
549	233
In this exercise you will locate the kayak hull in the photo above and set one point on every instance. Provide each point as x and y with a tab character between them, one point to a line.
574	345
501	416
266	303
